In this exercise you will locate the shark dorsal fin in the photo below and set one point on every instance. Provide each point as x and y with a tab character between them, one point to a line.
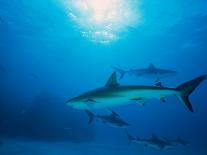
154	136
114	114
151	67
112	81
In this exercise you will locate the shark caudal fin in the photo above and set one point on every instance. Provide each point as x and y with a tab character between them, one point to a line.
120	71
91	116
187	88
130	137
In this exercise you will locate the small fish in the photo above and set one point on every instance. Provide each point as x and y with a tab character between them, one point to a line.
112	120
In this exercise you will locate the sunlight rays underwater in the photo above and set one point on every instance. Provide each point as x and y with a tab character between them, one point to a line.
103	21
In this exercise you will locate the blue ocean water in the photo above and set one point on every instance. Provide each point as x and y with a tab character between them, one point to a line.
45	60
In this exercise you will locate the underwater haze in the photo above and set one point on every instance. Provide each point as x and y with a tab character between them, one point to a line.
54	50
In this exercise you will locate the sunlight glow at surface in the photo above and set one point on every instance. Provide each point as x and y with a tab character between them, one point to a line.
103	21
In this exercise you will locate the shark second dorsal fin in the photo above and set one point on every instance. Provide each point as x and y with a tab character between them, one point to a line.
112	81
154	136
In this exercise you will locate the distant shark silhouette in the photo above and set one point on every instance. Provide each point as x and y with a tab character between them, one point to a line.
150	72
154	141
112	120
178	141
113	94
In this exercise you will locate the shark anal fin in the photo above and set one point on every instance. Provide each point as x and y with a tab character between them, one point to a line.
91	116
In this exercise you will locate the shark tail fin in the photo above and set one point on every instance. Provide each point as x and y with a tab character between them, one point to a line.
130	137
187	88
120	71
91	116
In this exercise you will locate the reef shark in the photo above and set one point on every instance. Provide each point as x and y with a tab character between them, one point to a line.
178	141
113	94
150	72
113	119
154	141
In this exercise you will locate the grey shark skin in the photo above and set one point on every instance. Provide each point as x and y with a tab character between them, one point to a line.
113	94
112	120
178	141
150	72
154	141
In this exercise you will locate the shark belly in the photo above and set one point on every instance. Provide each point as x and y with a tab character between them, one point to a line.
117	98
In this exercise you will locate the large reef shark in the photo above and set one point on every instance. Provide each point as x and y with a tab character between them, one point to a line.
149	72
112	120
113	94
154	141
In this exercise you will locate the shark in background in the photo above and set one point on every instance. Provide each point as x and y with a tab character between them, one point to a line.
113	94
151	72
154	141
178	141
112	120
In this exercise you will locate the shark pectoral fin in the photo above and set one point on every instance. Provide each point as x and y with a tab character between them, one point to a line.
90	102
141	101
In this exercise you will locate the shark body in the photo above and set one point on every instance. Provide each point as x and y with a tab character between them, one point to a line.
154	141
178	141
150	72
112	120
113	94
